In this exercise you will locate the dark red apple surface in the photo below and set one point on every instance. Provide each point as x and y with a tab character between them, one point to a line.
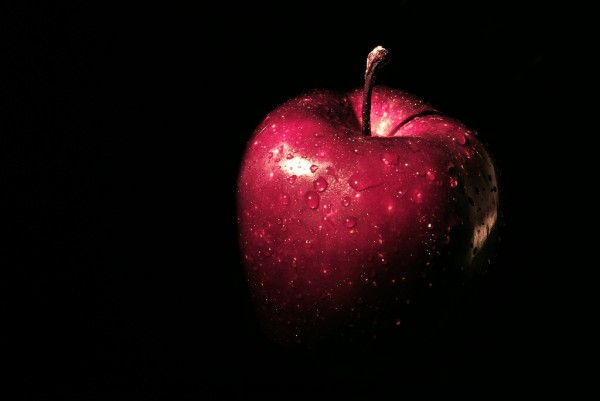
355	208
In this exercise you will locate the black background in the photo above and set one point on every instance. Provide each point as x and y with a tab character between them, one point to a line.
123	131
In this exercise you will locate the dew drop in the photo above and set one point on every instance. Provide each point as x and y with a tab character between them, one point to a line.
362	181
285	199
430	175
416	197
460	139
314	168
320	184
292	179
453	182
350	222
327	223
280	221
390	159
331	171
346	201
311	198
413	146
289	156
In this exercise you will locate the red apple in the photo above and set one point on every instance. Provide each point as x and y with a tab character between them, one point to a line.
355	208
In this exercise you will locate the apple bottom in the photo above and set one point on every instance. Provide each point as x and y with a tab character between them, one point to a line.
380	310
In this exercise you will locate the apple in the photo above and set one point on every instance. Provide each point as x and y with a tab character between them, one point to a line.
358	209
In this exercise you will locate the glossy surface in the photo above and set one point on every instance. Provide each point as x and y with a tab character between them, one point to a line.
342	233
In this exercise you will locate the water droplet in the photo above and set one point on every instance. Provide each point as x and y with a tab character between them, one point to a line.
416	197
390	159
285	199
453	182
280	221
320	184
430	175
292	179
362	181
312	198
327	223
283	228
397	322
346	201
268	252
314	168
350	222
413	146
460	139
331	171
289	156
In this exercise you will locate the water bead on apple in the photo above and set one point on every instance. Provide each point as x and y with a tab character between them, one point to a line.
357	209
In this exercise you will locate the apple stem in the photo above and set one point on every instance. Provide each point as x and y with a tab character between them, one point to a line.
378	58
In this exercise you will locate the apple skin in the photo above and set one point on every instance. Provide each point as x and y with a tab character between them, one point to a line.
343	236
